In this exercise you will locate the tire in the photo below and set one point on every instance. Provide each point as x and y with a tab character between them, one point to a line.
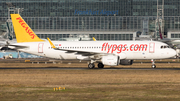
100	65
91	66
153	66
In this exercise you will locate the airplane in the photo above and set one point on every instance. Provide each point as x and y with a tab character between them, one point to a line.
174	43
111	53
7	37
76	38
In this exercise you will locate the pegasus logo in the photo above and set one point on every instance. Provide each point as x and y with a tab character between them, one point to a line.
28	30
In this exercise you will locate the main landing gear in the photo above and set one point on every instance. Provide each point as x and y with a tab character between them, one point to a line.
91	65
153	64
100	65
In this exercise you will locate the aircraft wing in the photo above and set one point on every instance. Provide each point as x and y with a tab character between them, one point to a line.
83	53
78	52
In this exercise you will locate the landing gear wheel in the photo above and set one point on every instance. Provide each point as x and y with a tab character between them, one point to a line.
153	66
153	63
91	65
100	65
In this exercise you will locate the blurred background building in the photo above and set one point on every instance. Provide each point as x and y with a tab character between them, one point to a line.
102	19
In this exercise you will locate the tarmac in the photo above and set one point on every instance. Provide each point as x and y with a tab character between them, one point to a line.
55	64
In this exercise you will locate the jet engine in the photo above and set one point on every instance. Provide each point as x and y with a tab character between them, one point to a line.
126	62
110	60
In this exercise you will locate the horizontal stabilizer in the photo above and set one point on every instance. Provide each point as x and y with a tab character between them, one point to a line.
17	47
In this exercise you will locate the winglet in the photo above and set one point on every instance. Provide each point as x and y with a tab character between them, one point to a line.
52	45
94	39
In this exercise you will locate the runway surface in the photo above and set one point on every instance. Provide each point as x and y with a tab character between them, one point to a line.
47	64
65	68
26	81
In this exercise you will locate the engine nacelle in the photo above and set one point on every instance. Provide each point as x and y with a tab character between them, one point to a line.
126	62
110	60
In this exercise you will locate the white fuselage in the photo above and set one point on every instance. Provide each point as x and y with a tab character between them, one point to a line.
124	49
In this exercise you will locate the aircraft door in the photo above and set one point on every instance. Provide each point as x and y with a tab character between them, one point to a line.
151	47
40	47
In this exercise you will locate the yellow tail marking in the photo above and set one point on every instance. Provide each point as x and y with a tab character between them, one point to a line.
94	39
52	45
22	31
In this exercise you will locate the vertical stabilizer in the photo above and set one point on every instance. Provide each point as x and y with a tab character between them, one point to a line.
22	31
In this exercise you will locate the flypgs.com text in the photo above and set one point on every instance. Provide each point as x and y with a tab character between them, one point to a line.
123	47
28	30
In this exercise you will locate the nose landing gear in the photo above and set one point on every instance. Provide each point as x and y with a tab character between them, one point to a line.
153	63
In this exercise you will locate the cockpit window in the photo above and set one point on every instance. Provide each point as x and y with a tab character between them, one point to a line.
162	47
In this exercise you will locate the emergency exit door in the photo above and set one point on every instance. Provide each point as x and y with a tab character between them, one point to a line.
40	47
